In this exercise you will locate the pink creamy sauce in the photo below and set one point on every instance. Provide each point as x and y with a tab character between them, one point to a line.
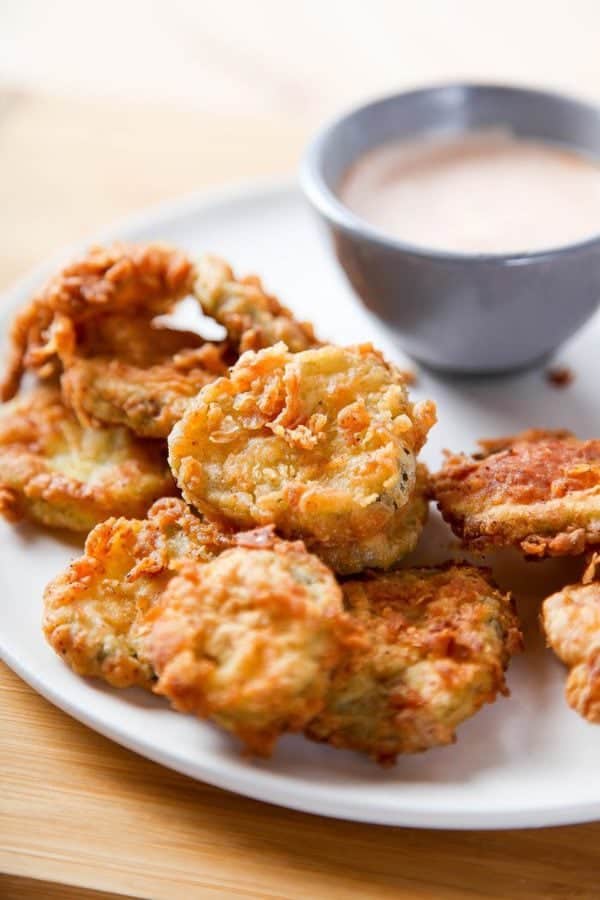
479	192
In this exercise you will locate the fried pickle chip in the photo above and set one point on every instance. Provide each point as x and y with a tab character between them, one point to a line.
56	472
321	444
123	279
438	642
539	491
250	640
389	545
571	620
94	322
94	612
253	319
145	382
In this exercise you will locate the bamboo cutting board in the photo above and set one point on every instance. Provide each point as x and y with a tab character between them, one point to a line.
81	817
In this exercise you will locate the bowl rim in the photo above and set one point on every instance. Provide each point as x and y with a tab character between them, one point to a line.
329	205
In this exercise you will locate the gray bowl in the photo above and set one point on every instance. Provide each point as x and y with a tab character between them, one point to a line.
453	311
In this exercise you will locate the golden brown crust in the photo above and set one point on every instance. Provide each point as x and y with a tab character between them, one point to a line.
250	640
56	472
437	643
529	435
253	318
94	611
136	340
539	490
122	278
390	544
320	443
147	399
94	322
571	621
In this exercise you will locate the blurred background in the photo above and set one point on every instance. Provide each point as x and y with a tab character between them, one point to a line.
108	107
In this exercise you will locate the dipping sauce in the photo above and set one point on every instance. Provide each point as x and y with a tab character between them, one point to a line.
479	192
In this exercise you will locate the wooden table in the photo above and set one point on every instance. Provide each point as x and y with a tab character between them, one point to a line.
77	810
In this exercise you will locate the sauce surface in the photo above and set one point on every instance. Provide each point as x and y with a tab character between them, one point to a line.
479	192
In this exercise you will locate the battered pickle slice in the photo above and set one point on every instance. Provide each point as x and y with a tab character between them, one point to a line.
144	382
321	444
94	323
122	279
250	640
437	643
571	620
94	612
54	471
539	491
389	545
253	319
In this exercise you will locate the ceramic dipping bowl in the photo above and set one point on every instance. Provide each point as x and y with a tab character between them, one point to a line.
467	313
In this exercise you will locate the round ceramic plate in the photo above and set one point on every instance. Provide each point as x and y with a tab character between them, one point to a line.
525	760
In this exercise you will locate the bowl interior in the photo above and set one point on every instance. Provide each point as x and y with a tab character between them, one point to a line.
453	109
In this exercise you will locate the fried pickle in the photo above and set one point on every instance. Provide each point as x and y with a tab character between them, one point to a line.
250	640
539	491
252	318
94	612
56	472
438	642
94	323
322	444
145	382
571	621
123	279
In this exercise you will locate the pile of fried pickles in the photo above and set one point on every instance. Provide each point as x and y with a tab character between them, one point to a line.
248	505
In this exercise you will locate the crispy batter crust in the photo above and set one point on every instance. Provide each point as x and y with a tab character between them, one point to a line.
122	278
539	490
147	398
321	444
250	640
94	322
571	621
385	547
437	643
94	611
56	472
253	318
137	340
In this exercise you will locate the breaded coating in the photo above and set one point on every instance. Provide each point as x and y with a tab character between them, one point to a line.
129	279
571	620
55	472
144	384
250	640
392	543
94	612
253	319
94	323
321	444
438	642
539	491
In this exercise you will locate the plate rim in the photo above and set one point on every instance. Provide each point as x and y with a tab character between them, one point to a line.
251	783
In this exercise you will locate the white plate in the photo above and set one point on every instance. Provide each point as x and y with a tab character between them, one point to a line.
524	761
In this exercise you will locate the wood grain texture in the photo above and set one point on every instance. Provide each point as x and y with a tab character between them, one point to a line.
77	810
12	887
69	167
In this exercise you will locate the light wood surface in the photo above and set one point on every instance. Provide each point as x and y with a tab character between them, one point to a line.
78	809
291	60
79	814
